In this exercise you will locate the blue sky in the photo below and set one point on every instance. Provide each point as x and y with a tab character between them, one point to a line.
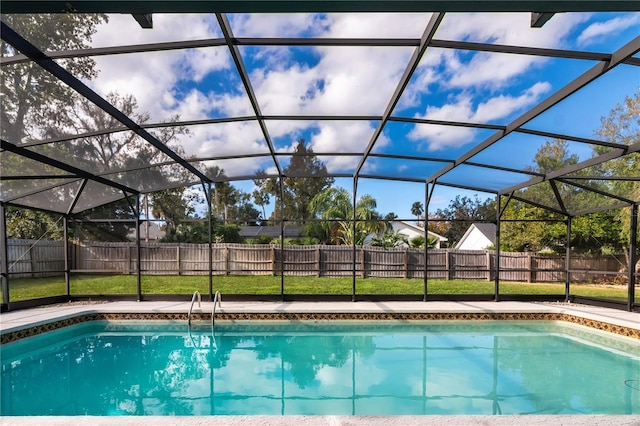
448	84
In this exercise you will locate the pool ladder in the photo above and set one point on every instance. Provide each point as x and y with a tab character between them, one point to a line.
196	295
216	298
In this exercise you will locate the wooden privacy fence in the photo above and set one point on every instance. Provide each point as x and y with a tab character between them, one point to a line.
35	258
28	258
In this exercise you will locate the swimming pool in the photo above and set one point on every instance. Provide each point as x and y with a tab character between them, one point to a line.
321	368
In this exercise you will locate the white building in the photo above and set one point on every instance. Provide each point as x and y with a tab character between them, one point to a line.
479	236
411	231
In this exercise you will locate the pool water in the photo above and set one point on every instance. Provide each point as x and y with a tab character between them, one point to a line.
321	368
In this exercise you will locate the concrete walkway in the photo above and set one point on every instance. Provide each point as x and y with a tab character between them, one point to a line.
16	320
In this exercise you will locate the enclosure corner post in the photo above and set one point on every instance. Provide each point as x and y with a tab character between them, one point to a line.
65	245
207	194
567	256
282	237
138	250
496	289
4	258
354	228
633	256
427	200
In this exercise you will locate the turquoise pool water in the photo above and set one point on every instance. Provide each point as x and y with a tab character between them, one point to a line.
325	368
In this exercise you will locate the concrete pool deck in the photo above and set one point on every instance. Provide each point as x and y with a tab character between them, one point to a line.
21	319
14	321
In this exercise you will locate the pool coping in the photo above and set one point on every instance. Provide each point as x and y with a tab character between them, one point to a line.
24	323
462	420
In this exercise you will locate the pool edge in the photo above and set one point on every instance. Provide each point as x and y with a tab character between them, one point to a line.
12	335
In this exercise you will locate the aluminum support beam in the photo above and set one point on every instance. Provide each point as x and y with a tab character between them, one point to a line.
322	6
207	192
427	200
353	245
281	237
65	243
562	173
138	250
584	79
633	257
567	259
144	19
4	256
225	26
39	57
428	34
496	283
539	19
62	166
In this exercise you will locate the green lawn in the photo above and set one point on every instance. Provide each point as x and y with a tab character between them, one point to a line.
24	289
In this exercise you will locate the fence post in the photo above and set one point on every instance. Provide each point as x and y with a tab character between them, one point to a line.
178	258
227	261
447	264
32	257
406	262
488	260
318	261
530	267
273	261
362	262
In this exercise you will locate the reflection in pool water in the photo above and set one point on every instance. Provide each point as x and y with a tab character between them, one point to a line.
329	368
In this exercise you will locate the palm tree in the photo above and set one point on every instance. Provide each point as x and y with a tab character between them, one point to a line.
417	210
335	205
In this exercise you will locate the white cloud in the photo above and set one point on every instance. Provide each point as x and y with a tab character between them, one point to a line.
453	68
275	24
509	28
124	30
332	80
501	106
605	28
153	77
491	69
343	137
462	109
392	25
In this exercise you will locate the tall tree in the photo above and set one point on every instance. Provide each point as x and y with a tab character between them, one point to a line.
261	199
622	126
530	231
417	209
173	205
34	101
306	177
602	232
242	210
552	156
32	224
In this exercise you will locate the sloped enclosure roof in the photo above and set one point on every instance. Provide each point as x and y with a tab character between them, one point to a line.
447	93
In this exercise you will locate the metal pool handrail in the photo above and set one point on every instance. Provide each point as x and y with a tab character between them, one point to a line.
216	298
193	299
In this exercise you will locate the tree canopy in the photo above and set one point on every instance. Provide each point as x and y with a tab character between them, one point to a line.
304	178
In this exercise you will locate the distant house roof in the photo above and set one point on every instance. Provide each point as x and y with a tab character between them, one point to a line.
397	224
478	236
272	231
487	229
411	231
155	232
